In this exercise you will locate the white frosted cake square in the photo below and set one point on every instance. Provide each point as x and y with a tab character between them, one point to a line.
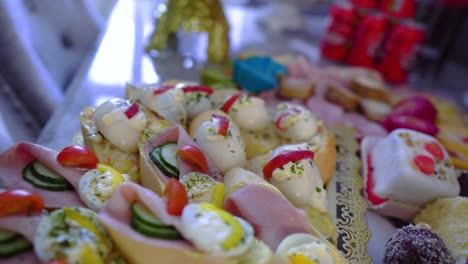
412	167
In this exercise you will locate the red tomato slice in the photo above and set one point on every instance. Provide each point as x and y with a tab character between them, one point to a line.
435	149
194	156
198	88
162	89
425	164
223	124
229	102
371	196
77	156
177	197
18	201
284	115
283	159
132	110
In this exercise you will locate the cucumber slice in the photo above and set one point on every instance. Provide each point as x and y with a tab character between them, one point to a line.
155	157
14	247
45	174
168	155
169	233
31	178
144	215
6	236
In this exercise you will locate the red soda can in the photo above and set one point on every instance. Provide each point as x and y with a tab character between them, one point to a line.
399	9
368	40
400	51
336	42
366	4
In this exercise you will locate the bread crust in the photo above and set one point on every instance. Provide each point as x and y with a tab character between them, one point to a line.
325	157
295	88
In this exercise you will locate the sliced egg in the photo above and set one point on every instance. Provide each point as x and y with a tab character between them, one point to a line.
250	113
227	151
199	187
168	104
216	231
73	235
117	127
96	186
294	122
301	248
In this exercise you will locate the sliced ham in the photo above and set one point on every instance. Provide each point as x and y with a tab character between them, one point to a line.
272	216
22	224
331	114
137	248
15	159
155	179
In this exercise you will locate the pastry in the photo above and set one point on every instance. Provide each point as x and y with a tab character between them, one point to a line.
416	244
404	171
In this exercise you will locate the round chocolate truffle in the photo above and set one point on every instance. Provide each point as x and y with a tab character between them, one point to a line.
414	245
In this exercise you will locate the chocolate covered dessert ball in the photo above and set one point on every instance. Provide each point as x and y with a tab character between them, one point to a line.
414	245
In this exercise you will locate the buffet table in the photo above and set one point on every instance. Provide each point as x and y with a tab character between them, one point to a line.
120	58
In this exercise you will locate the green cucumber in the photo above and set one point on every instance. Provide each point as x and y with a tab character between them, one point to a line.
144	215
14	247
6	236
45	174
168	155
36	182
169	233
155	157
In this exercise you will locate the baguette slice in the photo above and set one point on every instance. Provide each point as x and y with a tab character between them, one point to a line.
341	96
370	88
296	88
373	109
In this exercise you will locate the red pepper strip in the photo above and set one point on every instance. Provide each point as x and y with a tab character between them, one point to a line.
162	89
193	155
132	110
198	88
19	201
78	157
283	159
371	196
222	122
284	115
435	149
229	102
177	197
465	140
425	164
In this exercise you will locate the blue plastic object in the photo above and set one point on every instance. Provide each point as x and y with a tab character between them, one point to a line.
258	73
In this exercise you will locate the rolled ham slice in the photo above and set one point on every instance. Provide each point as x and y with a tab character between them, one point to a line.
15	159
155	179
272	216
331	114
364	126
137	248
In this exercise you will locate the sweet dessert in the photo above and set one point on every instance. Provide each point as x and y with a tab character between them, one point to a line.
340	95
448	218
370	88
298	88
416	244
404	171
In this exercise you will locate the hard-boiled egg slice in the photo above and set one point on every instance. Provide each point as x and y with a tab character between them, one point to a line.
199	187
168	103
249	113
303	248
96	186
215	231
294	122
226	151
73	235
300	180
121	129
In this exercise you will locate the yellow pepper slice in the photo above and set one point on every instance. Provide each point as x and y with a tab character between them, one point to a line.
217	198
116	176
237	231
89	256
83	222
300	259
